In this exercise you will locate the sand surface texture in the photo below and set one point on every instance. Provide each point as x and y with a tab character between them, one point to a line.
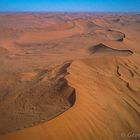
69	76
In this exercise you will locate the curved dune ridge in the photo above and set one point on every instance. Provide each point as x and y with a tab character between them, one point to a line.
103	104
69	76
34	97
105	50
115	35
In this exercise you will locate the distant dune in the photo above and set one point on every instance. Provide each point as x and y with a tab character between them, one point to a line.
105	50
71	76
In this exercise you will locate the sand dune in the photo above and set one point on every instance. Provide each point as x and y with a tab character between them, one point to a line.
105	50
69	76
34	98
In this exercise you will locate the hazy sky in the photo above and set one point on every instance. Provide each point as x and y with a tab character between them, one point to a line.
71	5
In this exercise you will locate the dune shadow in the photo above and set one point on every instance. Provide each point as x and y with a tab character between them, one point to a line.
101	49
72	97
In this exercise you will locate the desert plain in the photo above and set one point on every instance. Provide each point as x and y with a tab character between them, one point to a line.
69	76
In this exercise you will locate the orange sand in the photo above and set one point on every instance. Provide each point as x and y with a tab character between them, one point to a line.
104	70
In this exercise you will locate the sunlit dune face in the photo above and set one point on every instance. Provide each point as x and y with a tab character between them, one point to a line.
69	76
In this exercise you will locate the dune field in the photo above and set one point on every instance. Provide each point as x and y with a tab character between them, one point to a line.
69	76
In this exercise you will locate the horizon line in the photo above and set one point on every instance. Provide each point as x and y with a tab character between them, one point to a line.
28	11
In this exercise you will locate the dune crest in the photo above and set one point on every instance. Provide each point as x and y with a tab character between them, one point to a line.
105	50
34	97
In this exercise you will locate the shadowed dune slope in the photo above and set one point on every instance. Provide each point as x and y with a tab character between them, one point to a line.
105	50
29	98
